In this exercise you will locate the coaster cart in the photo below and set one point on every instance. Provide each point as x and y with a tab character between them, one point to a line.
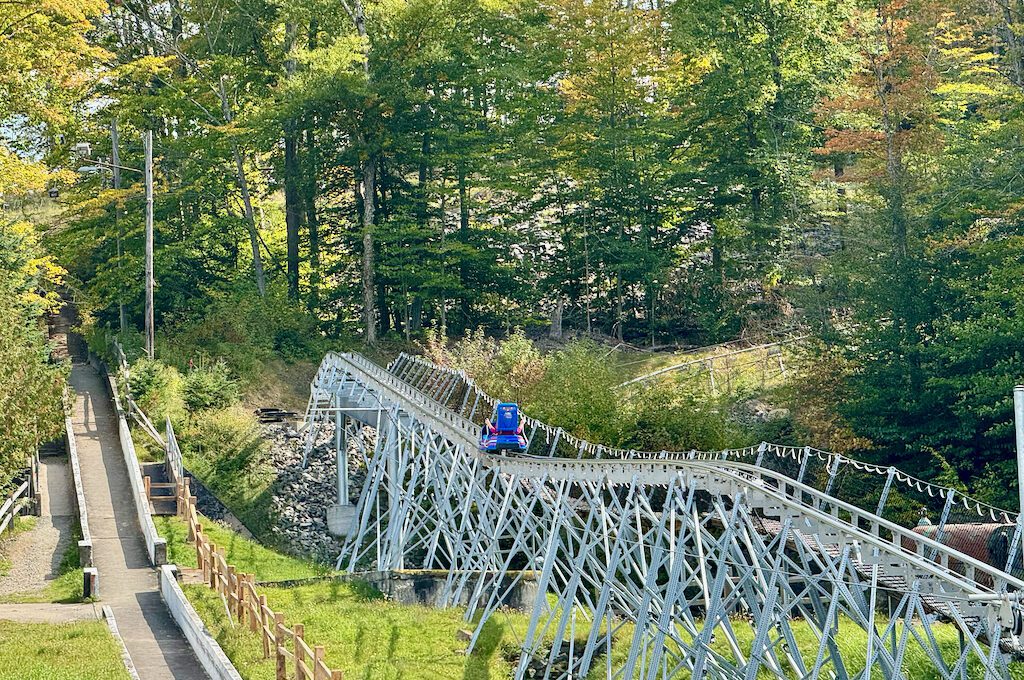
503	432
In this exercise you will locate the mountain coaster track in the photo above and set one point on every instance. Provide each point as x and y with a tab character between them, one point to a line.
662	564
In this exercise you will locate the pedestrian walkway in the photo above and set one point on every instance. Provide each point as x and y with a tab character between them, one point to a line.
36	555
50	613
128	583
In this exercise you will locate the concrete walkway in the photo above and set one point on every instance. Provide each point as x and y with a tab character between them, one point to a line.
50	613
36	555
128	584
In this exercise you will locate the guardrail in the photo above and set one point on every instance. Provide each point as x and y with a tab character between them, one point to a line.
294	658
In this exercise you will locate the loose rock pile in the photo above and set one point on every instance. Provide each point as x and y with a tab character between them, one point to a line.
301	496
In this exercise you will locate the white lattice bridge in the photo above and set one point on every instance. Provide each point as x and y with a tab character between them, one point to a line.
661	565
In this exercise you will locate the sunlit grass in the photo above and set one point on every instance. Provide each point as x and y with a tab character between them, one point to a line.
70	651
247	556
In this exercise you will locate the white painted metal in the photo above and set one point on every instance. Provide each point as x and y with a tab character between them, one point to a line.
1018	421
651	565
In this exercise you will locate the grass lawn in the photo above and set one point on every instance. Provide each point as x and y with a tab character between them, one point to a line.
370	638
364	635
72	651
249	557
66	588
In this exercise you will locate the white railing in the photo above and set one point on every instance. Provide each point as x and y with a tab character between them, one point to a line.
419	373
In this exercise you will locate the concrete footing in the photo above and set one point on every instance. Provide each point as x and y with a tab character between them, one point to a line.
427	587
340	519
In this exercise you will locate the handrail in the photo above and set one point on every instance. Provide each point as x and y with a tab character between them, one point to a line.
11	508
409	395
981	508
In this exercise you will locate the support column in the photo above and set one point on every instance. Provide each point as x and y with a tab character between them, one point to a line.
341	448
341	517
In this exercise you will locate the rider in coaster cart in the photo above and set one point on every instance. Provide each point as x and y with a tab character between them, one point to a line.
505	433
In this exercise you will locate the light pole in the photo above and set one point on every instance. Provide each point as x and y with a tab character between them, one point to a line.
147	172
150	326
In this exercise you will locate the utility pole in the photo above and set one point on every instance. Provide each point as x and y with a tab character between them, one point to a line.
150	326
1018	419
115	161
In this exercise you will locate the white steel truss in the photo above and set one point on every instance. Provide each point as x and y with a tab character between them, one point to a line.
657	565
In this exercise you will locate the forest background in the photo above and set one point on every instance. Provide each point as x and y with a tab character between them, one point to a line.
343	173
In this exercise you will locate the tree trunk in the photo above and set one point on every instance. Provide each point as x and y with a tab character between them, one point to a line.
243	187
369	191
556	320
369	188
292	199
464	238
311	185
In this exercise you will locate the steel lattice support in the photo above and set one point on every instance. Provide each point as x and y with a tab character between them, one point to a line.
653	568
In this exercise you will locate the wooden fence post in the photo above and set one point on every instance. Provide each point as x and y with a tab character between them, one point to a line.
255	606
213	566
318	658
263	627
282	668
185	506
298	630
201	561
146	483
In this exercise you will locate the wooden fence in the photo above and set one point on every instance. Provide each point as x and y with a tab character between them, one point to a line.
295	659
12	507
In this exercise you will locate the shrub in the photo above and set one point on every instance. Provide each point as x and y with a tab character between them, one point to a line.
209	386
577	392
157	389
670	417
225	444
245	332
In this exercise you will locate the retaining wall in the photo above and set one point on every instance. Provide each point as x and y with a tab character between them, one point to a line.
85	544
209	653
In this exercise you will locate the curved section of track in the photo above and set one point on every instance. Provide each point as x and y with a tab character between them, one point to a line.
652	567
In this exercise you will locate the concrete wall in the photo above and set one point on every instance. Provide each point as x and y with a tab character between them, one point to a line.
209	653
426	587
84	545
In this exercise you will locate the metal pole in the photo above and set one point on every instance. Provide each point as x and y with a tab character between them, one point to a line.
1018	417
115	161
150	328
341	447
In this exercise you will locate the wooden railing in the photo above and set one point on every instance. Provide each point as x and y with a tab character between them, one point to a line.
294	658
12	507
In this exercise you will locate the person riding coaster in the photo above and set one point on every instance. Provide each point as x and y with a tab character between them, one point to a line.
505	433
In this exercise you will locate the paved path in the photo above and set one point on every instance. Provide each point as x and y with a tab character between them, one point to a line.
50	613
35	555
127	581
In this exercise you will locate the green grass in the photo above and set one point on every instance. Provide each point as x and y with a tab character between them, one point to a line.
72	651
247	556
364	635
370	638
